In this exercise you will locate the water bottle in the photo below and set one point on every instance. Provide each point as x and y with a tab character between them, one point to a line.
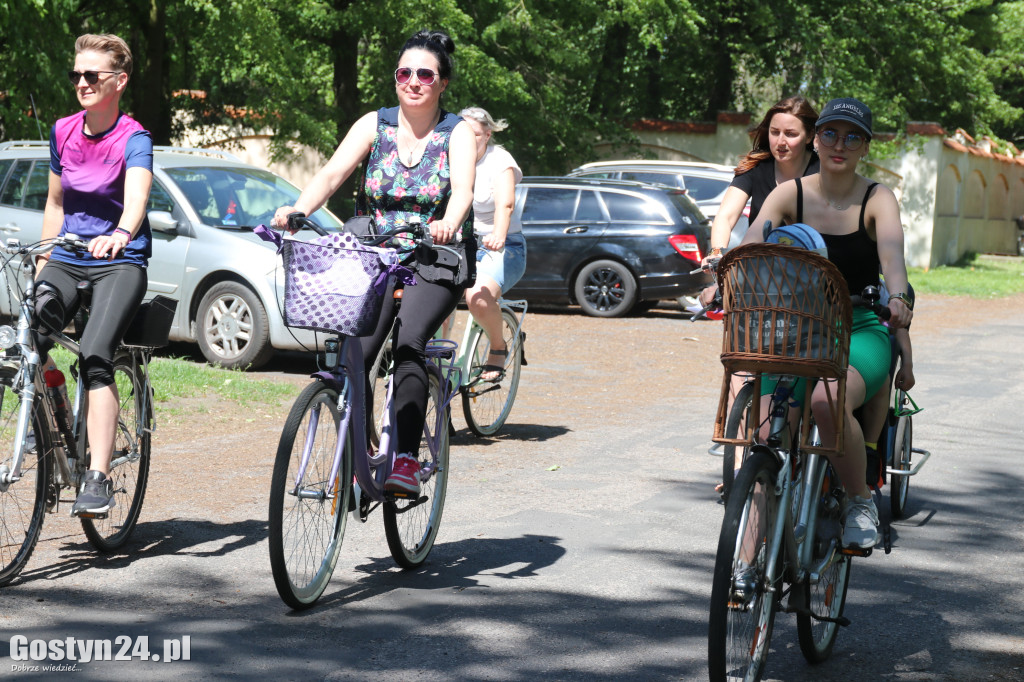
57	388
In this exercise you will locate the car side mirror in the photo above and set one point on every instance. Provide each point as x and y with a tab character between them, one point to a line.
163	221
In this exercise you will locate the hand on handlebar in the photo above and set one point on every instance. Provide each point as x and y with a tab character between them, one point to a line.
443	231
899	314
108	245
284	219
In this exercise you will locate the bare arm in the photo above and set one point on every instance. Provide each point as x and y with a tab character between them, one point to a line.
728	215
53	214
349	154
462	162
905	374
504	201
885	213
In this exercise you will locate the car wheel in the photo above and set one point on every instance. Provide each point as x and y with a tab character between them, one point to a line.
232	327
605	288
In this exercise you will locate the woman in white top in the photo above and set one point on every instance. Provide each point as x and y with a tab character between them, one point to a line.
502	260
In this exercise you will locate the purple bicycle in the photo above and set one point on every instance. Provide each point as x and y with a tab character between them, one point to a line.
327	468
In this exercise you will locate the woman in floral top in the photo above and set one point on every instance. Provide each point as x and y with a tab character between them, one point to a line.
422	162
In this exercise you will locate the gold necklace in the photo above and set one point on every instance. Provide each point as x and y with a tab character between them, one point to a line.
416	148
834	204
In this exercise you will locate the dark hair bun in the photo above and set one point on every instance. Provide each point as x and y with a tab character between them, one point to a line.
439	43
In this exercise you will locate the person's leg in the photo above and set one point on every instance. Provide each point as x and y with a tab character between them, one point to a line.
482	301
851	464
424	308
117	292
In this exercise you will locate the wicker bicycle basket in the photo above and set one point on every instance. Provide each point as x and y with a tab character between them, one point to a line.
787	311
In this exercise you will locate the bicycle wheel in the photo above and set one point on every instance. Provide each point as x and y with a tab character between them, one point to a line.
826	597
742	605
308	517
737	417
22	503
130	462
411	525
485	404
902	451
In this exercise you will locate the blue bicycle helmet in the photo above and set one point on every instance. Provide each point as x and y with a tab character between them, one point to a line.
799	235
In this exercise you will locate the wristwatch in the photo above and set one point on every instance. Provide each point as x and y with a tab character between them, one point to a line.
907	301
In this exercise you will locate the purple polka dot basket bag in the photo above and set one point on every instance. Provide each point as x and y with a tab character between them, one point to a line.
334	283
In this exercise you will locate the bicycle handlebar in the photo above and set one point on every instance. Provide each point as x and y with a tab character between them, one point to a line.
69	241
298	220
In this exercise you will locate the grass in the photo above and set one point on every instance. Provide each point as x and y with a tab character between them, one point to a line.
977	276
181	378
174	378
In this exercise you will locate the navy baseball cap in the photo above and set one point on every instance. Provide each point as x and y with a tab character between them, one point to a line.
846	109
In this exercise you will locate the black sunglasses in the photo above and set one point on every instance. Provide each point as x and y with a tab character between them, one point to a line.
851	141
91	77
404	74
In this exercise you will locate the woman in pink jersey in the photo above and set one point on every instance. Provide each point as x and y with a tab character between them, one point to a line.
101	169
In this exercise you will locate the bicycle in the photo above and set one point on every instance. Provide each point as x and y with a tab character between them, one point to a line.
783	522
486	404
48	448
326	467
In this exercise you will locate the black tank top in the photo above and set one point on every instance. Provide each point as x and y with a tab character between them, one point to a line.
855	254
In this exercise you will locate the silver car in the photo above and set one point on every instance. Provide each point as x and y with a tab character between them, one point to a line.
705	183
202	208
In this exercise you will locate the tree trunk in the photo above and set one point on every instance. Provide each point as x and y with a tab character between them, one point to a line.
151	103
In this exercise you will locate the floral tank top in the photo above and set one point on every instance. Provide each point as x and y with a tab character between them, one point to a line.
393	192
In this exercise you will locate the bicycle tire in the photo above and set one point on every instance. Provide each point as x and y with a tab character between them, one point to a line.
486	405
411	526
737	415
827	597
131	440
23	503
306	532
739	634
902	453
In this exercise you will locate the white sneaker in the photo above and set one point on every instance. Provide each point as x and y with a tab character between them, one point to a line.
860	528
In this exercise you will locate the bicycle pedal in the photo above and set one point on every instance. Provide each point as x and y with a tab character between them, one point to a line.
86	515
856	551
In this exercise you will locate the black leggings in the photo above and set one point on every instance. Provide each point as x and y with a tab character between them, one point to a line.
424	307
117	291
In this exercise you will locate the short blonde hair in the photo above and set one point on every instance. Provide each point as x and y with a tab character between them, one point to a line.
120	54
483	118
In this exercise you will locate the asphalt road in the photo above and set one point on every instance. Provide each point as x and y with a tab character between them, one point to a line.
577	546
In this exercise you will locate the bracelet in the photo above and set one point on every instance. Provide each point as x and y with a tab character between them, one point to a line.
907	301
124	232
716	251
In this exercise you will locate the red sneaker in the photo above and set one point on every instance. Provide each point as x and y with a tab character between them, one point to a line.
405	476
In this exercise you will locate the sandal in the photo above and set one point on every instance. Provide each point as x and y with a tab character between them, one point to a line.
497	371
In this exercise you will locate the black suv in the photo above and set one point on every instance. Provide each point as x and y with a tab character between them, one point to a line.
608	245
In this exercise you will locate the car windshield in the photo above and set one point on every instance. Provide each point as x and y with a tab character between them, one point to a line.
238	197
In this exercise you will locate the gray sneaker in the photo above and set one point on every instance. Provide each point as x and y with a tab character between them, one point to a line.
96	494
860	528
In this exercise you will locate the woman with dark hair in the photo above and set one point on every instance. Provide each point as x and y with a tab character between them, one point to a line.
421	162
101	170
782	150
